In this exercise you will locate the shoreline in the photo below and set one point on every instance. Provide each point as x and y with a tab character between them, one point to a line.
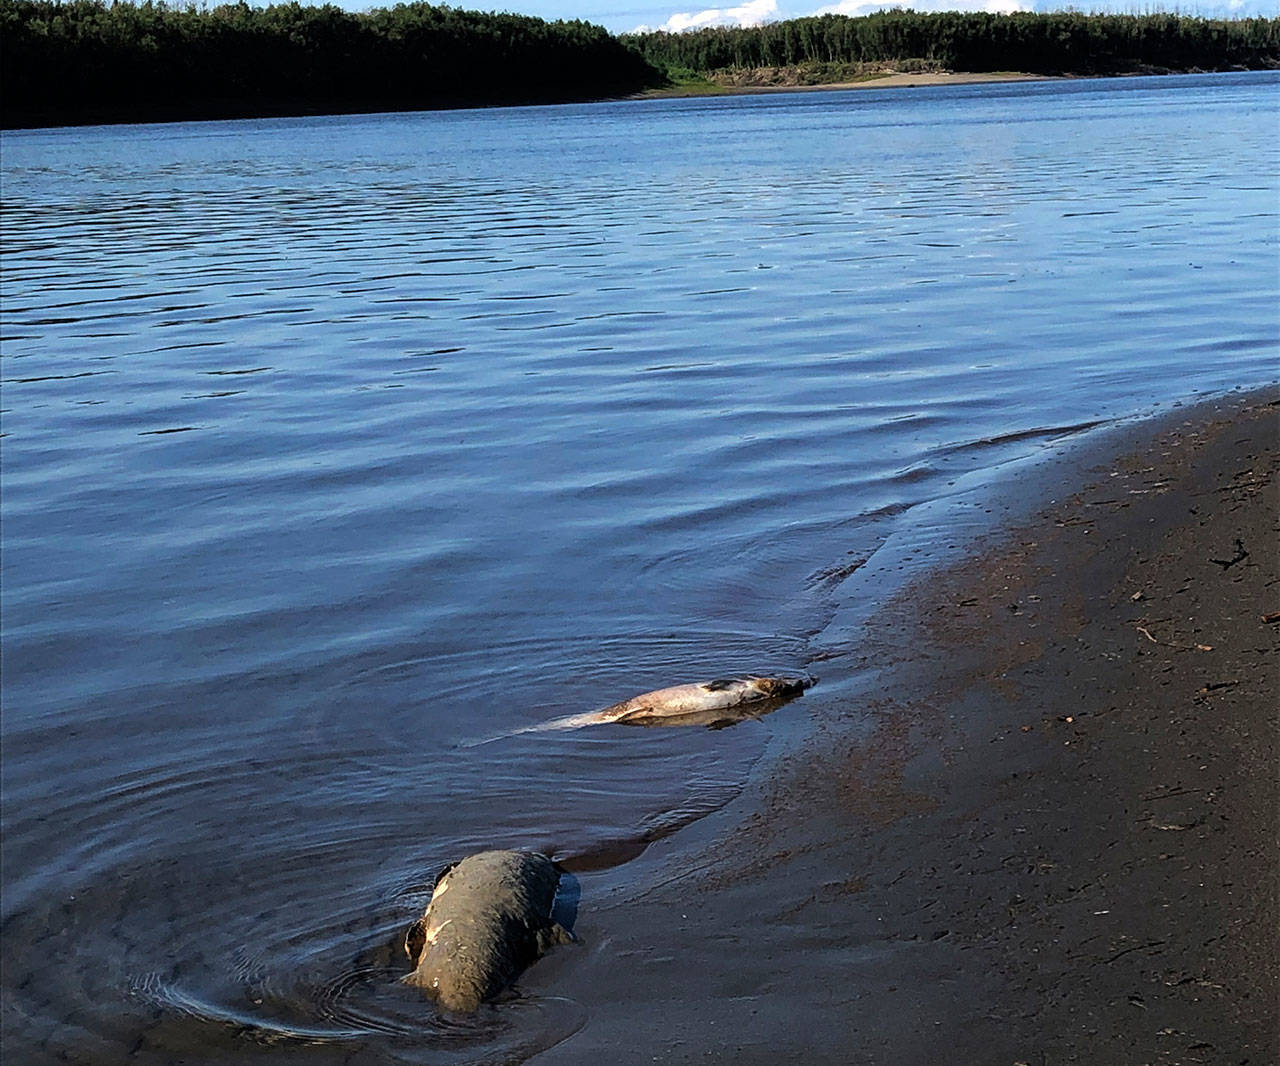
1038	822
875	81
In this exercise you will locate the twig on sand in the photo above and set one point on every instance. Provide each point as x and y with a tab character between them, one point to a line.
1213	686
1241	554
1166	644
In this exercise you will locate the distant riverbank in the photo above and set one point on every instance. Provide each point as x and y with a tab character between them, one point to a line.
86	63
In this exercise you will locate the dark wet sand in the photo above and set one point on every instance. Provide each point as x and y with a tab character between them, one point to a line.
1044	832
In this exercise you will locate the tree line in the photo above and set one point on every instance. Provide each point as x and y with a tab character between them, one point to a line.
1056	43
84	61
77	61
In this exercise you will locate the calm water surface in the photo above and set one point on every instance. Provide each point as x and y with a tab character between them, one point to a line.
333	446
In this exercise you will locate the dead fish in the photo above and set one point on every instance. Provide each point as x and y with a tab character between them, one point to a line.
679	701
490	916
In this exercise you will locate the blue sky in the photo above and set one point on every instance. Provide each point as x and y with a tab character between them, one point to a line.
622	15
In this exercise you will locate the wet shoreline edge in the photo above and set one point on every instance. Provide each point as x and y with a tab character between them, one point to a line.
1035	824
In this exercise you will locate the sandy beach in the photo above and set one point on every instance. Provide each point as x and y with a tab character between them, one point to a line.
1044	831
899	81
881	81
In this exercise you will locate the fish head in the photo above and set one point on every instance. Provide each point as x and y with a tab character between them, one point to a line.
782	687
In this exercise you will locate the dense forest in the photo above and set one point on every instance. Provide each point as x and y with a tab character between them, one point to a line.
77	61
1058	43
86	61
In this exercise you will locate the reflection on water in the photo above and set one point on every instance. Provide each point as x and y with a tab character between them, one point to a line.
332	446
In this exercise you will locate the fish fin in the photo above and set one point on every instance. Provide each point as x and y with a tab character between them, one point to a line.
612	713
444	871
720	684
415	941
638	713
554	935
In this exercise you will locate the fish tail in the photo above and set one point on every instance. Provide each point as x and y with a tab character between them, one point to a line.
574	721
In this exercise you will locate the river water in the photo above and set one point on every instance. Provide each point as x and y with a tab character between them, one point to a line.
335	446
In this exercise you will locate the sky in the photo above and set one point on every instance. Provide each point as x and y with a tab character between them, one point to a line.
621	16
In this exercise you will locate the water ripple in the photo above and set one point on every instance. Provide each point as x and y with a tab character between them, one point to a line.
334	446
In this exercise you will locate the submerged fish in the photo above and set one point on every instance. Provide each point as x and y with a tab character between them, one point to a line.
489	917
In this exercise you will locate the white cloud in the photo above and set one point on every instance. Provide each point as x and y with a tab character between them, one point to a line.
866	7
751	13
757	12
